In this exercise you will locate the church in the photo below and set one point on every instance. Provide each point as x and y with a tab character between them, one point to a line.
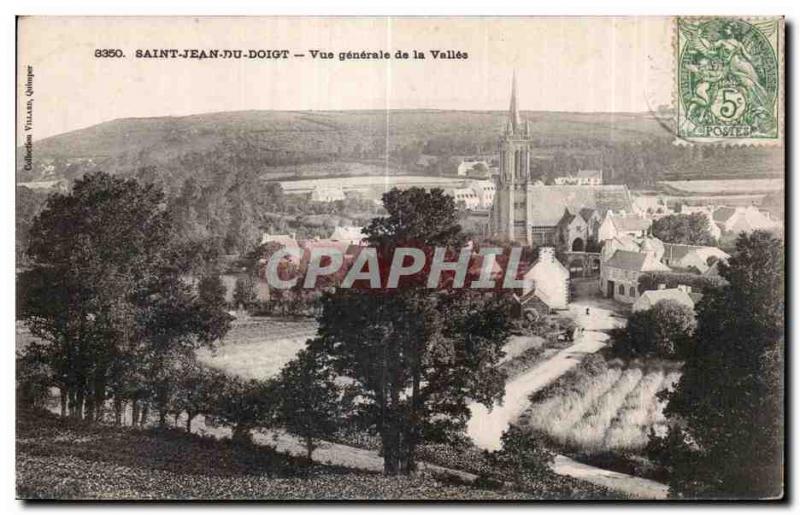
529	213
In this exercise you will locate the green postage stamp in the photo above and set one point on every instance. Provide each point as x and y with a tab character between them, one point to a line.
730	79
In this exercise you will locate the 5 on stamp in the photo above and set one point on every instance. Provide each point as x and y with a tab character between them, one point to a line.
729	80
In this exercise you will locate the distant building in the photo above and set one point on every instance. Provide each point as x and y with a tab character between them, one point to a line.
468	167
352	235
485	191
581	178
614	225
694	257
743	219
619	275
548	280
680	295
327	194
464	197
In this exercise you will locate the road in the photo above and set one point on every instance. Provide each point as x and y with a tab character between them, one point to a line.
485	427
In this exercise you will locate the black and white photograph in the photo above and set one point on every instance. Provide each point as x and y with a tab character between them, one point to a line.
400	258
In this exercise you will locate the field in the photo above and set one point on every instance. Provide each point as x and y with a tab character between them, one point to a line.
722	187
258	347
603	406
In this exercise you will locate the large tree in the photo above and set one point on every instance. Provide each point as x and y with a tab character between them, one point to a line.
726	437
664	330
104	292
691	229
415	356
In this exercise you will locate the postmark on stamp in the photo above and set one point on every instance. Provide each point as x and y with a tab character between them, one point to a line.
729	80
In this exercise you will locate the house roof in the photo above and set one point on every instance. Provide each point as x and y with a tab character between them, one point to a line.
673	294
634	261
630	223
587	212
677	251
549	202
566	218
724	214
347	233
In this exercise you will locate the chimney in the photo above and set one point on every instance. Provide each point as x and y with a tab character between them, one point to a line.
293	235
662	286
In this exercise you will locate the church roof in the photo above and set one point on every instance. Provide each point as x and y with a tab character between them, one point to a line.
549	202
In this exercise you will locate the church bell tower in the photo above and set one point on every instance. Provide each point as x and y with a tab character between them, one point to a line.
510	212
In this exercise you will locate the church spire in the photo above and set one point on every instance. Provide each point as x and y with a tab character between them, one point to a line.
513	112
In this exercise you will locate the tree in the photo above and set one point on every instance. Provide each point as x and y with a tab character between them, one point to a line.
689	229
104	293
308	398
197	390
415	356
523	454
244	405
664	331
244	292
726	434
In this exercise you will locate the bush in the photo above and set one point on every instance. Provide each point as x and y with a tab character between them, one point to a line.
699	283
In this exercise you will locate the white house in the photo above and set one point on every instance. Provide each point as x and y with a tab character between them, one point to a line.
465	197
619	275
327	194
548	280
484	191
649	298
743	219
350	234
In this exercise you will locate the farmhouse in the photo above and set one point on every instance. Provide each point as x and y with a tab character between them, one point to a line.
619	275
547	280
743	219
681	295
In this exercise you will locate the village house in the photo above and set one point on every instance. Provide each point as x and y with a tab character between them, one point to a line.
619	275
623	224
349	234
681	295
547	280
464	197
743	219
327	194
692	257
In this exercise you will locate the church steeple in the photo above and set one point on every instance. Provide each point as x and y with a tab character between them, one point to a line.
513	112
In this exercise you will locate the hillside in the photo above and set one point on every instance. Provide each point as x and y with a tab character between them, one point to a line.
64	459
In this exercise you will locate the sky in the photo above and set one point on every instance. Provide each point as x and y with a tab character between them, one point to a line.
595	64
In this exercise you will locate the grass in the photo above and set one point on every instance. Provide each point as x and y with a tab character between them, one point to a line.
603	406
258	347
64	459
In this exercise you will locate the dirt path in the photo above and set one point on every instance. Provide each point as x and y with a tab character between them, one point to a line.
485	427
